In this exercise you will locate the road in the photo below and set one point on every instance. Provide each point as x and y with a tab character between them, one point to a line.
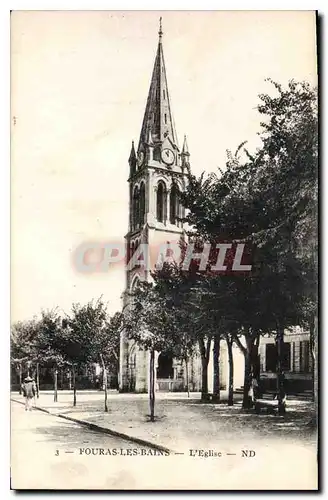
48	452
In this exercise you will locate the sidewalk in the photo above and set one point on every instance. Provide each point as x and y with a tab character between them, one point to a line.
182	423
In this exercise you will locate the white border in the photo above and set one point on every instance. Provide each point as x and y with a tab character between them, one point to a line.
164	5
5	8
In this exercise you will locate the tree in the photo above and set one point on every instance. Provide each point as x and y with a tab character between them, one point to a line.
48	346
81	338
196	311
111	347
268	201
150	325
23	346
105	346
183	295
229	341
290	150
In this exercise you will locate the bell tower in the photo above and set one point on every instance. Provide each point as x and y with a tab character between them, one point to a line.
157	176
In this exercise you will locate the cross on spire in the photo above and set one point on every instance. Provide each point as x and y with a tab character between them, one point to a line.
160	33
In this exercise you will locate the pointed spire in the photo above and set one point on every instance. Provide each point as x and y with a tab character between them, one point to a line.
185	150
132	156
132	160
158	116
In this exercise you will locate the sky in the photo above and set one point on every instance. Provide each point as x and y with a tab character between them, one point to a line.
79	84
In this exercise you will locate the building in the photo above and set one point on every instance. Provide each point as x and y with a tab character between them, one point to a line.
297	361
157	173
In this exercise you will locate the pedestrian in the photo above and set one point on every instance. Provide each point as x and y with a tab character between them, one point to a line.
28	388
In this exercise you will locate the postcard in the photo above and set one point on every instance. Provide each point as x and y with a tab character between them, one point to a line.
164	199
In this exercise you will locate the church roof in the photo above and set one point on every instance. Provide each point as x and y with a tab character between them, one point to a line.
158	120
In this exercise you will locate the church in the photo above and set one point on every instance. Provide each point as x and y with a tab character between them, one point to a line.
157	173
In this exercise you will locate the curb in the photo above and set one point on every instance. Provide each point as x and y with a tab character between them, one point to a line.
103	430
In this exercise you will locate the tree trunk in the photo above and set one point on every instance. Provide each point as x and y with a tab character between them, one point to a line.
247	381
70	380
37	381
104	381
256	366
56	385
247	352
74	386
187	376
152	385
205	354
230	383
61	379
20	378
204	379
216	368
280	374
118	379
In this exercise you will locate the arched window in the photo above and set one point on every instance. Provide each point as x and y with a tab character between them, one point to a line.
135	208
174	204
161	202
142	204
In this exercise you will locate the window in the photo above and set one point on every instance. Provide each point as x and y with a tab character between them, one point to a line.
165	366
135	208
294	356
142	204
160	202
286	357
165	118
174	204
305	357
271	357
163	94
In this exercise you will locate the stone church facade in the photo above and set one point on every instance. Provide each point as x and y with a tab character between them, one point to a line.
157	173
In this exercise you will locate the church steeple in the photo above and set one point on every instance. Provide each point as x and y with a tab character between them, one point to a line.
157	178
158	120
132	160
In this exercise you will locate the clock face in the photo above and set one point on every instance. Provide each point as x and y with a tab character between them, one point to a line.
141	157
168	156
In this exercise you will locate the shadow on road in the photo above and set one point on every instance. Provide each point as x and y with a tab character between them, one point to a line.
67	435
